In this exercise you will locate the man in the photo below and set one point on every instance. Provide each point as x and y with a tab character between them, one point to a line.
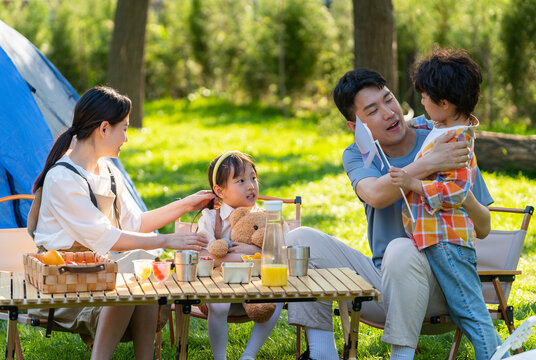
409	289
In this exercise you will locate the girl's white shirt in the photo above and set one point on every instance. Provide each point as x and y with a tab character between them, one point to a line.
207	222
68	215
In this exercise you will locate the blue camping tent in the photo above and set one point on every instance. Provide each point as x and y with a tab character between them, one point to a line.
36	105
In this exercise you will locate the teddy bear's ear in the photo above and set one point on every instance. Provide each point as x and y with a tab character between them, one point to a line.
237	214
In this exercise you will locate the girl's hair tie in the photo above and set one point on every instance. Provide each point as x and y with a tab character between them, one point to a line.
218	163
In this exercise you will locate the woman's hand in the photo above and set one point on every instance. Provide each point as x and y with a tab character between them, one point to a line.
187	241
197	201
246	249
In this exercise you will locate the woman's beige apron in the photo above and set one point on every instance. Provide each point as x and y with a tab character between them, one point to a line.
84	320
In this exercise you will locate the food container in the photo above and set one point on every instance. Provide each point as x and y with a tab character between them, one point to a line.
256	269
89	271
235	272
298	260
186	264
205	266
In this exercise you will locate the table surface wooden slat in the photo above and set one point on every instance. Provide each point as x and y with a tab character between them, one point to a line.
353	288
225	289
322	283
365	286
333	281
133	285
5	287
18	287
299	285
316	277
199	289
174	288
264	290
310	284
187	289
32	295
121	287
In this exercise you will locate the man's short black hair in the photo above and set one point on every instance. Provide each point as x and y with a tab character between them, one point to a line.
451	75
350	84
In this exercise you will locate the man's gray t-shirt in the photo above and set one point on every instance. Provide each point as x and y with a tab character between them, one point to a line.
385	224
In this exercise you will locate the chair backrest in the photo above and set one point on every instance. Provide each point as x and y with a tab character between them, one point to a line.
292	224
15	242
501	250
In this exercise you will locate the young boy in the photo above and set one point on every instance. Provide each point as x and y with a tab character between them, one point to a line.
449	83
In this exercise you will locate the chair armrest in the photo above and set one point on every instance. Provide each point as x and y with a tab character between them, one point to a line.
502	275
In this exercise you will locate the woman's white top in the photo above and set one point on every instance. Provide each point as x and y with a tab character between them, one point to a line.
68	215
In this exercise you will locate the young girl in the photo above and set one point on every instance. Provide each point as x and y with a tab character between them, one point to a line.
233	178
84	207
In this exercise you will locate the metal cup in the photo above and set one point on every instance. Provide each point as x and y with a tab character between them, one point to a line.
298	260
186	264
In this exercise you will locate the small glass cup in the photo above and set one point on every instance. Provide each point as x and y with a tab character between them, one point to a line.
161	270
143	268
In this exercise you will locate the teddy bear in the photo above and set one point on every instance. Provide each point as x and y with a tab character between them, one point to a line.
247	226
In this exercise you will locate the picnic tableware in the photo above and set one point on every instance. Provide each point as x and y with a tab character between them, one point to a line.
186	264
204	267
236	272
161	270
143	268
274	259
256	269
298	260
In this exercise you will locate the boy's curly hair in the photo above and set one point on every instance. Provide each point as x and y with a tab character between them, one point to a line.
449	74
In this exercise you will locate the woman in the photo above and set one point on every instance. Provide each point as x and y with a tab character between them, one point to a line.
84	206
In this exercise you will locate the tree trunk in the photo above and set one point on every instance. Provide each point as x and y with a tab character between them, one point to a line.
497	152
126	70
374	38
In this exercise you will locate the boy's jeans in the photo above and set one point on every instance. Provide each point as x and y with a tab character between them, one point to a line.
455	269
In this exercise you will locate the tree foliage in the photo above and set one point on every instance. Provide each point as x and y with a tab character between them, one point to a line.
233	47
519	64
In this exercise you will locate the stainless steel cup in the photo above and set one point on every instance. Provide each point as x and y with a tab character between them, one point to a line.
298	260
186	264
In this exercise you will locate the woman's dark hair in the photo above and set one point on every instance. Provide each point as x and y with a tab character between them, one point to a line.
235	162
350	84
449	74
97	105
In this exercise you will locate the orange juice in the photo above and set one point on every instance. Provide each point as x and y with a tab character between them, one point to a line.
274	275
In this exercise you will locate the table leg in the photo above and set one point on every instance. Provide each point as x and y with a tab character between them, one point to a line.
350	349
345	321
182	334
11	339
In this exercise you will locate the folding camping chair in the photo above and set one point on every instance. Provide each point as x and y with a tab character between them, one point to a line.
192	227
497	255
14	242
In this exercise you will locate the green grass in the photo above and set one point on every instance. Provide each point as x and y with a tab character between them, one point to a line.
294	156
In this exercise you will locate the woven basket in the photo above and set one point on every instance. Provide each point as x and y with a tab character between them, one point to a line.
92	272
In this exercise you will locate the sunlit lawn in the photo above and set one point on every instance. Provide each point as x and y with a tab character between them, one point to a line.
294	156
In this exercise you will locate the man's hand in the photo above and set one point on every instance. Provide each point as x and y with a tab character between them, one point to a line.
446	155
401	178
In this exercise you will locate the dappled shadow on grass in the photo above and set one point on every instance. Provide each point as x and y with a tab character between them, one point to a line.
216	112
515	173
193	174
